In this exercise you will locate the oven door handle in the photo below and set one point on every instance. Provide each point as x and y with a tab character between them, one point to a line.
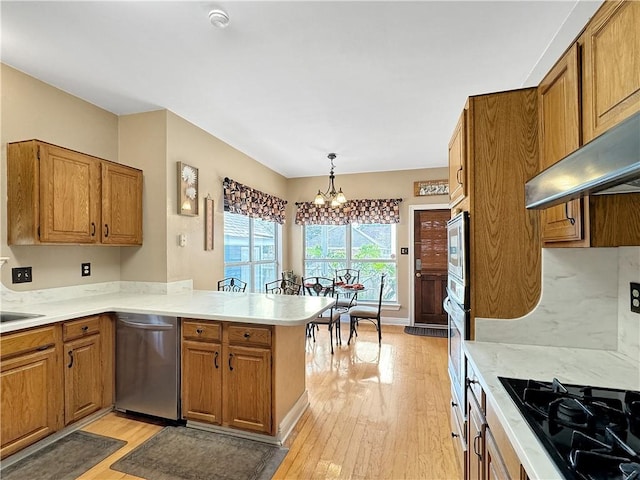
446	304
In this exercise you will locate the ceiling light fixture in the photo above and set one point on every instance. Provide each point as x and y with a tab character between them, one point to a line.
218	18
335	198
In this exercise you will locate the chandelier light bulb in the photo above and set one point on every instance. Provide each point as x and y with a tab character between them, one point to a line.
335	198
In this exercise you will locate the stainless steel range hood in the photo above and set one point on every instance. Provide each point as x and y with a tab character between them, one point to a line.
609	163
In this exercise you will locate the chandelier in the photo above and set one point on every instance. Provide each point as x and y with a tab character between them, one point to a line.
334	198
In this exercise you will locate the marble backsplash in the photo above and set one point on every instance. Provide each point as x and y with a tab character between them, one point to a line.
584	303
10	297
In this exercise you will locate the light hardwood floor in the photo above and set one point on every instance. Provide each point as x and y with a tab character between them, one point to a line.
374	413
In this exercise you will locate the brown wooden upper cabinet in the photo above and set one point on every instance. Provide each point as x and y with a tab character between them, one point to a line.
611	82
559	131
59	196
458	161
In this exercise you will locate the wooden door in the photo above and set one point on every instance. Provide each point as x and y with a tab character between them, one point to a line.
430	265
121	205
458	161
30	394
69	196
559	114
202	381
82	378
247	386
611	83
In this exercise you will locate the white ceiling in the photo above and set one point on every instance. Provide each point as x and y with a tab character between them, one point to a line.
379	83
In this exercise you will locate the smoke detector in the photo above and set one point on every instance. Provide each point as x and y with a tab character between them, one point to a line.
218	18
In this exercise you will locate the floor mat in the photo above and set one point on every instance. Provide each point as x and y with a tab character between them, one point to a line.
426	331
187	453
65	459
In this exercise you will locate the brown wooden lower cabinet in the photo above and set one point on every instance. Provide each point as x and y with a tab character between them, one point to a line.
52	376
490	455
30	387
202	381
227	374
82	379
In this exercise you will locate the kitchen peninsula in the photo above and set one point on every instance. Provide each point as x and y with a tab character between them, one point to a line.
264	333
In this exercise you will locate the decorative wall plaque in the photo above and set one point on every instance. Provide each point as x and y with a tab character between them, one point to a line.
431	187
187	190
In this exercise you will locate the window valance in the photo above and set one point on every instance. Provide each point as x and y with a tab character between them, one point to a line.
354	211
244	200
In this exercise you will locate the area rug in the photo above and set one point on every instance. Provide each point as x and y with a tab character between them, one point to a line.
65	459
427	331
185	453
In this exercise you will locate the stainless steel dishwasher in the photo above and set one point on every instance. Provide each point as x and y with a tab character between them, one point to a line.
148	365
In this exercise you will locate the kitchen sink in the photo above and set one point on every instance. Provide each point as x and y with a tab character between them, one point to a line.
12	317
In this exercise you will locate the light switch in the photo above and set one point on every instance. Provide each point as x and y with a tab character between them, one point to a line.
182	240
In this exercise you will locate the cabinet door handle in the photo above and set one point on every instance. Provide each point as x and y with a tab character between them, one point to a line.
84	328
230	358
453	404
70	359
454	435
475	445
199	331
247	334
215	360
93	229
106	230
458	176
572	220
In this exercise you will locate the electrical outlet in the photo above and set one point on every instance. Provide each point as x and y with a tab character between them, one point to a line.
21	275
635	297
86	269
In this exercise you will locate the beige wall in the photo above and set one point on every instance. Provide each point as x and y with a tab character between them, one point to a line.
397	184
215	160
32	109
155	142
143	144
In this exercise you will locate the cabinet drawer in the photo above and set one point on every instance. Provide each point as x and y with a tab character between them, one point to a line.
201	330
27	341
243	335
80	328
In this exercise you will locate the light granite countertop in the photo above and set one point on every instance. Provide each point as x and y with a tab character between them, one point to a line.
284	310
570	365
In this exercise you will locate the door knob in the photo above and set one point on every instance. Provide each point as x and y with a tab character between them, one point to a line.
418	274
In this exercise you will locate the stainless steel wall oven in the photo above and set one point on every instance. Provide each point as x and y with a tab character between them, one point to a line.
457	303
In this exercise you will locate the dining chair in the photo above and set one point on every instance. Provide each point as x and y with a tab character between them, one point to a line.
371	314
231	284
283	287
323	287
347	276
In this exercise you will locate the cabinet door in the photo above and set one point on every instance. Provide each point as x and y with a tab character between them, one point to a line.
458	161
121	205
202	381
475	438
82	378
611	84
69	196
31	399
247	387
495	468
559	114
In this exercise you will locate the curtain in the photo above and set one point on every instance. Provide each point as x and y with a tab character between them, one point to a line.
244	200
354	211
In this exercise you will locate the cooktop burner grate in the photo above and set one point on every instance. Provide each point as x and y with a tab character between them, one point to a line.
591	433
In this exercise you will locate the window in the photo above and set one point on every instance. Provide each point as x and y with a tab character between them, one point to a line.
251	250
369	248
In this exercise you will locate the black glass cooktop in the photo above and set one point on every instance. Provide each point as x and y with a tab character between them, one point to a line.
591	433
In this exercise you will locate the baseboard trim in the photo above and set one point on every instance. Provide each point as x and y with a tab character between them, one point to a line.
293	417
258	437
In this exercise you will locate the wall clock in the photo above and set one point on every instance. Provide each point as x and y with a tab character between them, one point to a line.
187	190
